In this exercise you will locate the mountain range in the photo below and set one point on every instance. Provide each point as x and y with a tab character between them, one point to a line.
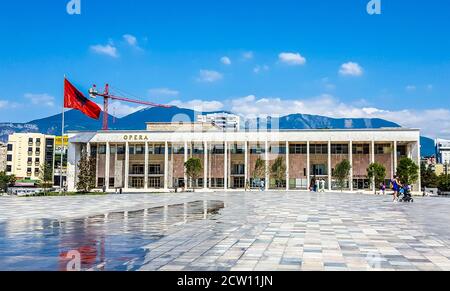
76	121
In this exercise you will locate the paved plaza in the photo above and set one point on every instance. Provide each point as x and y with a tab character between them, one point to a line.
228	231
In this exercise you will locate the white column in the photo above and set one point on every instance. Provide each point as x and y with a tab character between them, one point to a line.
329	166
267	184
308	164
166	166
225	165
246	163
415	153
287	166
146	167
107	165
350	157
205	165
127	165
72	165
395	158
88	150
372	160
186	157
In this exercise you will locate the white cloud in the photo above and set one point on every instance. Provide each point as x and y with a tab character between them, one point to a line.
225	60
351	69
199	105
209	76
411	88
248	55
166	92
3	104
107	50
131	40
293	59
432	122
41	99
258	69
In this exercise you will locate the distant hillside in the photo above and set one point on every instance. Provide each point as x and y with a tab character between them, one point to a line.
76	121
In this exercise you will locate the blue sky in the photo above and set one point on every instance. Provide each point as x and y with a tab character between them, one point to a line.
253	57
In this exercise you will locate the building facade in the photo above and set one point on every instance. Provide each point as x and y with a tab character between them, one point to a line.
225	121
153	160
443	151
27	152
3	153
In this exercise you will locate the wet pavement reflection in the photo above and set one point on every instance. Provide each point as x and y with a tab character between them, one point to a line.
112	241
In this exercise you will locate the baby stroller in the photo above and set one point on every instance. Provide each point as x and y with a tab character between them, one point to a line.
405	195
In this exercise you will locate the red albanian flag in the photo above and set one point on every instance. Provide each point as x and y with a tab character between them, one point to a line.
74	99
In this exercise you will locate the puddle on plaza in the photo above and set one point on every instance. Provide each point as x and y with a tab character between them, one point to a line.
113	241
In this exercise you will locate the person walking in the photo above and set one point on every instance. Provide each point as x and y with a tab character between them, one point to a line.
396	186
322	185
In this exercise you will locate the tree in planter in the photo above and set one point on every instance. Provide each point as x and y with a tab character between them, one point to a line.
377	174
408	171
46	177
194	169
6	181
259	172
341	173
444	183
278	171
428	177
86	173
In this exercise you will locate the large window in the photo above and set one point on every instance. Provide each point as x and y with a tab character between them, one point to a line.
156	149
361	149
237	149
319	170
137	182
154	183
137	150
100	182
9	168
319	149
137	169
9	158
10	147
218	150
339	149
238	169
178	150
154	169
102	149
298	149
278	150
381	149
257	149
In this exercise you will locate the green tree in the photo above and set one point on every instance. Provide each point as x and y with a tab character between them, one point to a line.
444	183
428	177
259	171
341	173
377	174
46	177
6	181
86	173
194	169
278	171
408	171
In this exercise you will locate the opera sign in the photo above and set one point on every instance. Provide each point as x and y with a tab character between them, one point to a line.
135	137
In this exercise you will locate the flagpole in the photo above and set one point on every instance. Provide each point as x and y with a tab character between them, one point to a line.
61	183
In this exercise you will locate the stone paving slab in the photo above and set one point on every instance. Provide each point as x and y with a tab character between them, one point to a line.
290	231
